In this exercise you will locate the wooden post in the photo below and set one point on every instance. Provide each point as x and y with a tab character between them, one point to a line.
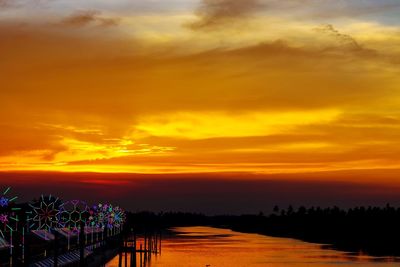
125	243
120	248
141	255
134	240
120	258
23	246
82	246
145	242
133	255
56	237
26	250
150	243
156	243
17	253
145	257
160	243
11	248
14	246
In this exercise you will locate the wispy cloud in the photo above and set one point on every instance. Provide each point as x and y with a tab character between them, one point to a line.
344	39
213	13
344	42
89	17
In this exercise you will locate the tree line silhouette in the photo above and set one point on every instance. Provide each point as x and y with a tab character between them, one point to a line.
370	230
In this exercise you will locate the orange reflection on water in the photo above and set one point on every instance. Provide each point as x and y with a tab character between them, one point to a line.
206	246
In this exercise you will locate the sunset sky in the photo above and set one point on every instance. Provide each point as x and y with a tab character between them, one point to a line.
194	86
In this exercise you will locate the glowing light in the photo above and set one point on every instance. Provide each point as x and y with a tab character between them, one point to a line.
4	218
44	214
73	213
7	212
4	202
105	215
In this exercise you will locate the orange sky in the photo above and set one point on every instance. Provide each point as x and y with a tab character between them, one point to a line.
199	86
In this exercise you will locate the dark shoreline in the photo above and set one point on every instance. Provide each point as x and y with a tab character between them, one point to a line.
353	251
372	231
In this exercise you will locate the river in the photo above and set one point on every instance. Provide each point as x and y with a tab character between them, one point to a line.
213	247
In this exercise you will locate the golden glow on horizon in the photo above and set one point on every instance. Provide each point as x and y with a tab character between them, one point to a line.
203	125
182	91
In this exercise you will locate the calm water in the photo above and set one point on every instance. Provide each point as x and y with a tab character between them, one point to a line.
202	246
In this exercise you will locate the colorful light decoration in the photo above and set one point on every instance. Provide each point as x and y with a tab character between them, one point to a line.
105	215
95	216
45	213
4	202
73	213
117	217
4	218
108	209
99	215
50	213
8	218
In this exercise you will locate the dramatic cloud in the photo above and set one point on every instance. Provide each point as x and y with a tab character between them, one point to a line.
152	96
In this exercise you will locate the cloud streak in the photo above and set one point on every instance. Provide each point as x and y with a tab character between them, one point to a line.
343	39
214	13
90	17
217	14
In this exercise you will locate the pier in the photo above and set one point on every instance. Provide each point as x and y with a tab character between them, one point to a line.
137	250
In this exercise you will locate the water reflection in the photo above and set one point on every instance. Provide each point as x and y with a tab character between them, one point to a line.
206	246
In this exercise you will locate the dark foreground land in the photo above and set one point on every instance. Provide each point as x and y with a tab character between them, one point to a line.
372	230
